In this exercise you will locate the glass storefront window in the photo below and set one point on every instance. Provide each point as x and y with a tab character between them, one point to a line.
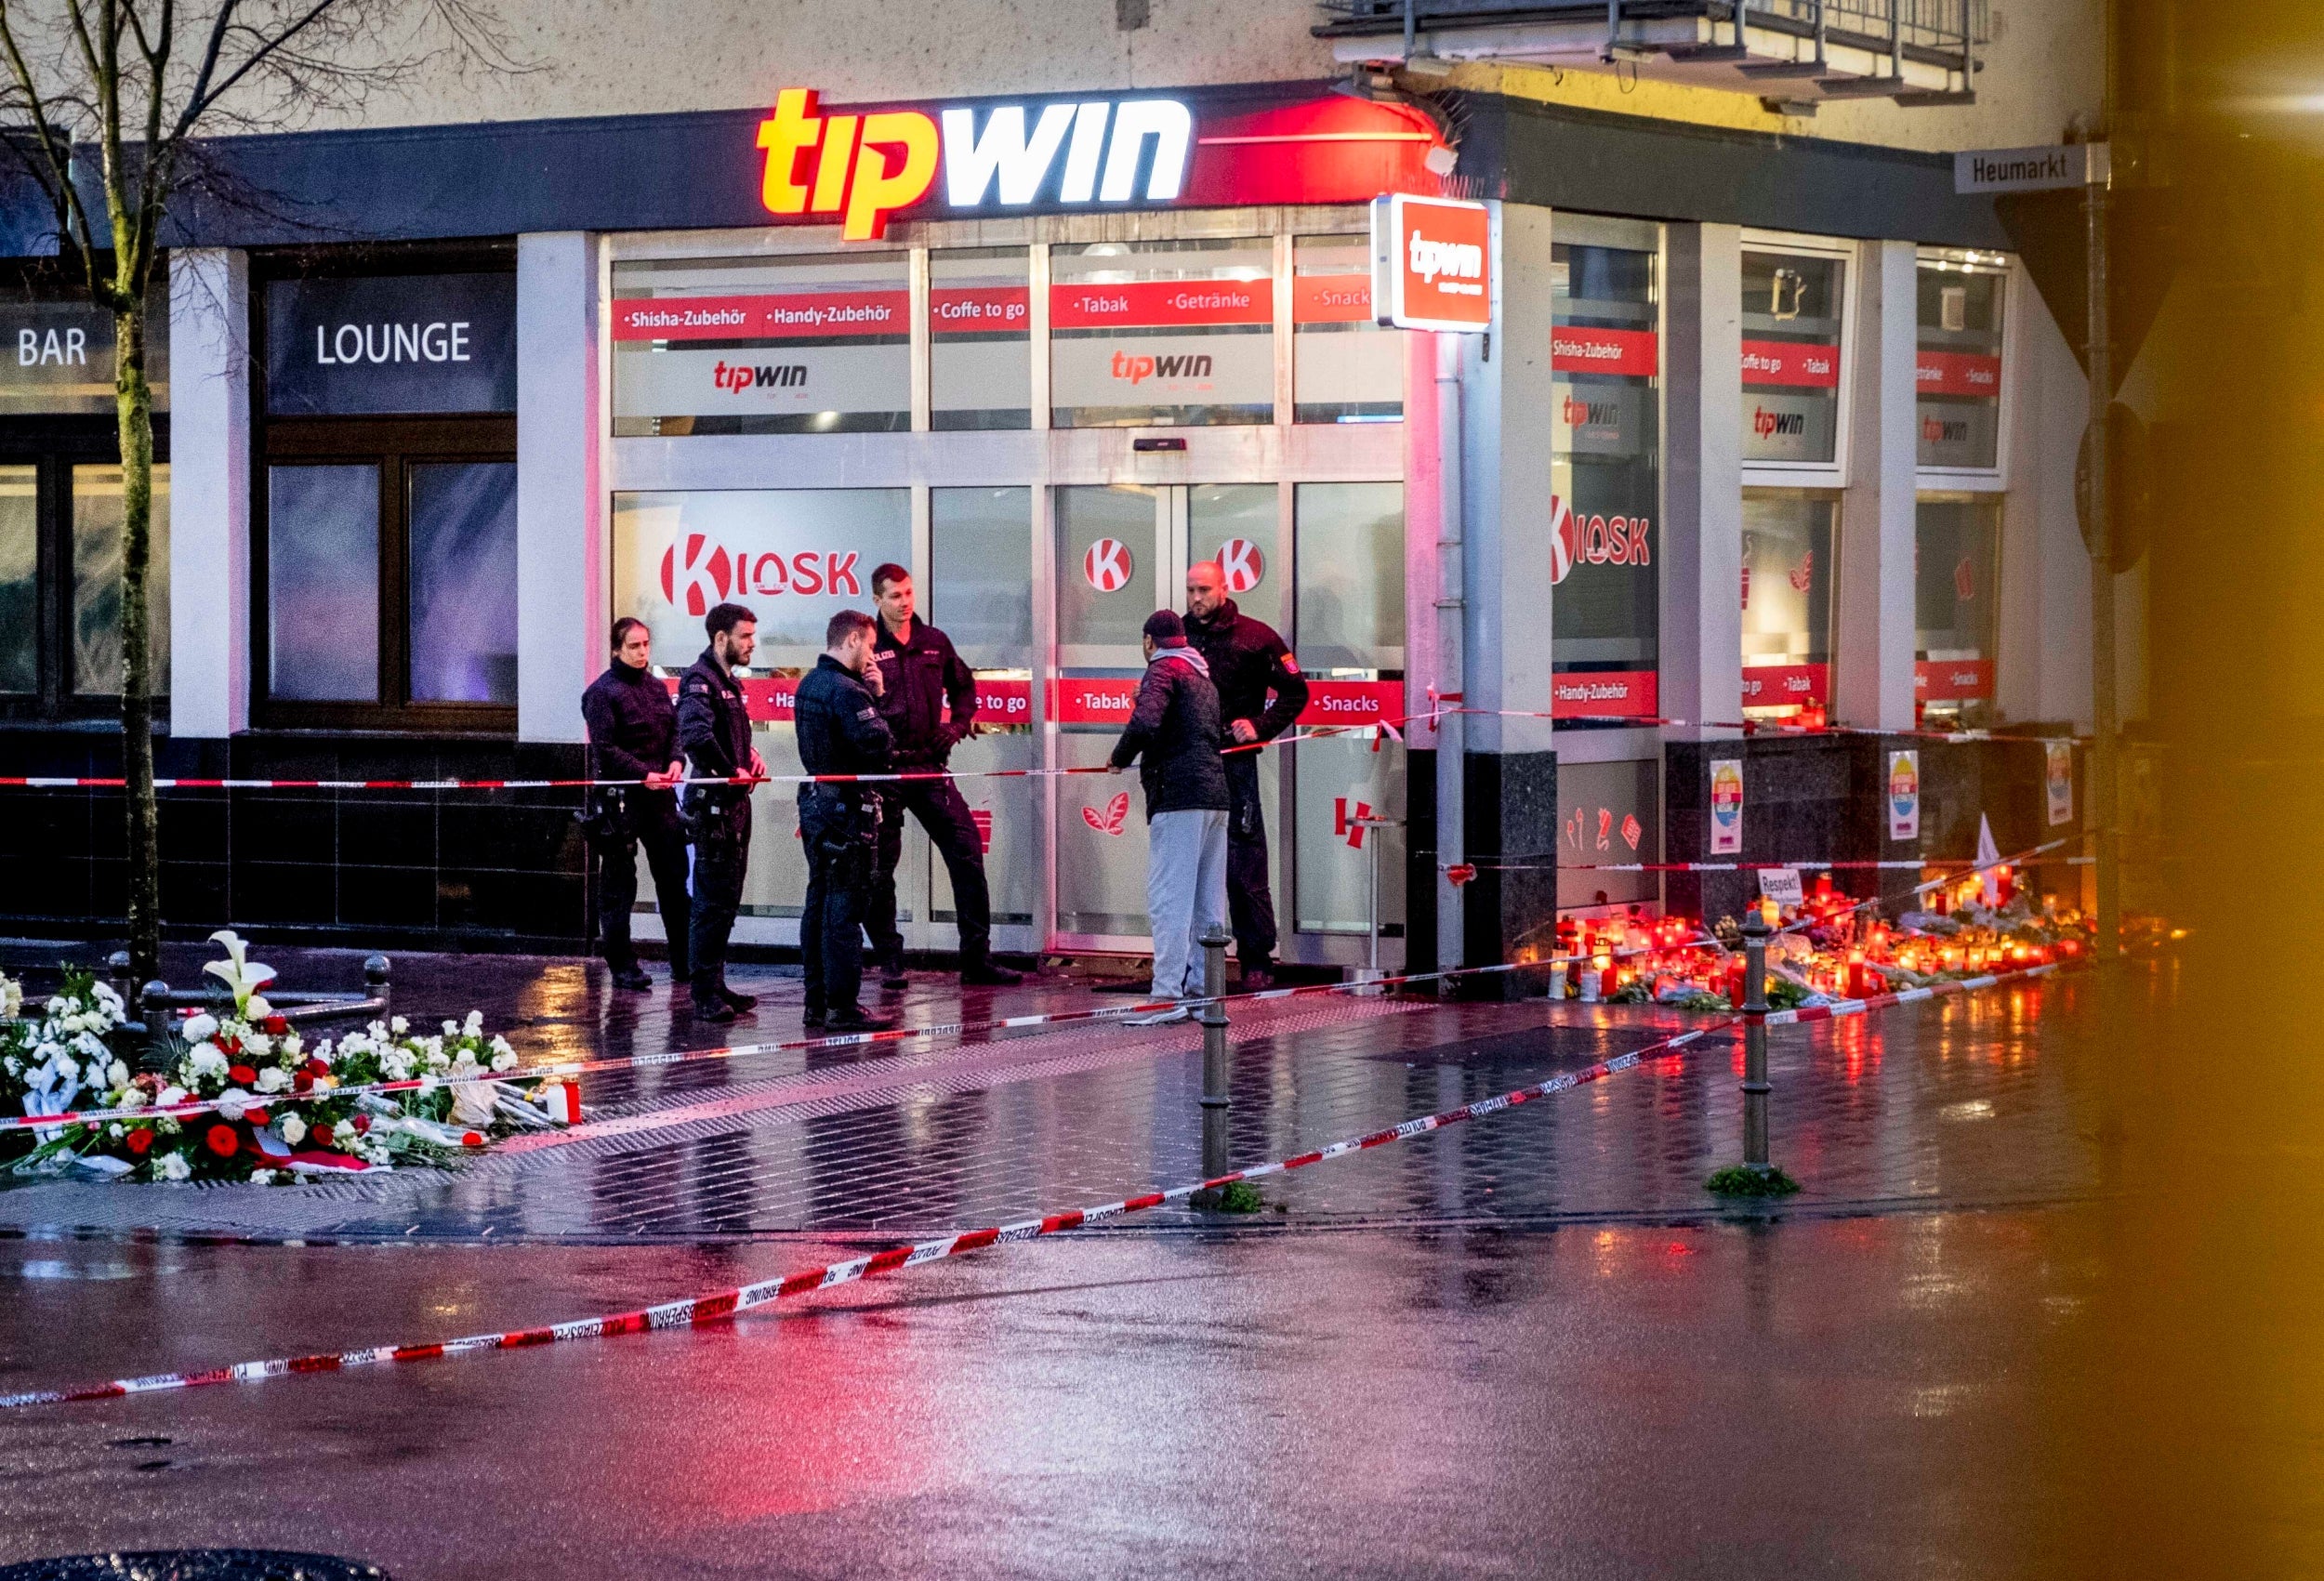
1349	636
1344	367
323	583
1788	546
796	557
97	548
56	356
980	333
1162	333
1606	813
1606	481
1238	525
1956	608
463	536
1792	304
1107	546
981	594
19	579
1958	370
762	345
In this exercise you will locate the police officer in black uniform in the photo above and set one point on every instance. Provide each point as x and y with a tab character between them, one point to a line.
925	680
840	732
633	735
1247	661
714	733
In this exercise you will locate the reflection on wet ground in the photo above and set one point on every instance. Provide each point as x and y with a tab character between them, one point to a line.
1958	1102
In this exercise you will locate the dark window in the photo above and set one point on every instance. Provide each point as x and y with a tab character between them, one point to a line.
384	508
61	516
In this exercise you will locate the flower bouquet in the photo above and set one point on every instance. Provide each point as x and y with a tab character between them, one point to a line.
278	1107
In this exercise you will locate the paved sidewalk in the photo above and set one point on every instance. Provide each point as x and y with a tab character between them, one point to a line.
1954	1103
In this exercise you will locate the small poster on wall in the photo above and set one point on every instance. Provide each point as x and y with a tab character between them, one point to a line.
1904	796
2058	775
1726	807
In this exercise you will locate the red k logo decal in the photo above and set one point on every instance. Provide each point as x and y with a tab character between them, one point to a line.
1107	565
704	577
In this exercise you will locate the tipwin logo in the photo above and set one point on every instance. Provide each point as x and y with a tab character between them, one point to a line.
1137	370
1461	263
706	573
1768	425
735	377
1579	414
1596	540
1940	430
866	167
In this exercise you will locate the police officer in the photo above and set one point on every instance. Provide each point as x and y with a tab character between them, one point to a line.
1247	661
840	732
633	735
924	681
714	733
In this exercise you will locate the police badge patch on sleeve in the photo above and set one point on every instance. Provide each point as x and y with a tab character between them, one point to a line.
1290	664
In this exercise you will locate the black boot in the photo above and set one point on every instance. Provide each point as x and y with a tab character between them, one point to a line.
628	975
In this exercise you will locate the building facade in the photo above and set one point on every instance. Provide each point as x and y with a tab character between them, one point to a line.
1765	424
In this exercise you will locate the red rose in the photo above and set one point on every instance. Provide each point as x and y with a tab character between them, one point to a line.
231	1046
255	1116
302	1082
140	1140
318	1067
241	1076
321	1132
222	1140
277	1025
362	1124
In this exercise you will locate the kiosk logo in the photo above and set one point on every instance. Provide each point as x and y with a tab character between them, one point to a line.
1106	566
706	577
1241	564
866	167
1595	540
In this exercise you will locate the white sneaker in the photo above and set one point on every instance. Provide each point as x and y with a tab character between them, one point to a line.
1159	1017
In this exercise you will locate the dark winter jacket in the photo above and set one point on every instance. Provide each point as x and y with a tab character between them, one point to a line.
1175	737
839	728
633	733
924	678
714	733
1247	660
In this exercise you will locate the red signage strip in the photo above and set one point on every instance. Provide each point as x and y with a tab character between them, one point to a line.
1952	680
978	309
1161	303
793	315
1628	694
1087	699
1351	702
1957	373
1331	298
1790	363
1781	686
1633	354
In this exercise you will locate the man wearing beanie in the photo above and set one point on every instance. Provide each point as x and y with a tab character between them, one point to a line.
1175	737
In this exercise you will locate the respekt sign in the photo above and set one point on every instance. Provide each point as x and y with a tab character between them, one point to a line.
1432	263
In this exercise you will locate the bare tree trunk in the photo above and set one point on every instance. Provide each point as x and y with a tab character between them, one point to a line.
133	399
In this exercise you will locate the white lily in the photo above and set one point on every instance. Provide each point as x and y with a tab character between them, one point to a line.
241	975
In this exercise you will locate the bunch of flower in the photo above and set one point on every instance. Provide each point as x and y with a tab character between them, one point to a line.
280	1105
58	1059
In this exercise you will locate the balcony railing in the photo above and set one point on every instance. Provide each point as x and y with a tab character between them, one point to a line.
1797	51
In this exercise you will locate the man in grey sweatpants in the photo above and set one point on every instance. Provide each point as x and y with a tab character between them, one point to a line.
1175	737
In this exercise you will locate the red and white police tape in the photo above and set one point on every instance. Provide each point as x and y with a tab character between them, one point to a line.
699	1310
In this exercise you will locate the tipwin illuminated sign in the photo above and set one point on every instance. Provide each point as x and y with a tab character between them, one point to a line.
1432	263
866	167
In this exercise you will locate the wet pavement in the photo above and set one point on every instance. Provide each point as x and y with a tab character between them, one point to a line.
1530	1345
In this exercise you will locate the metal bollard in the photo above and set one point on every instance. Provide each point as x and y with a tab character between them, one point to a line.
376	982
1212	1016
153	1002
117	976
1755	1088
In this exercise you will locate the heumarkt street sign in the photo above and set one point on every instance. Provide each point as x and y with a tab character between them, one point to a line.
2064	166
